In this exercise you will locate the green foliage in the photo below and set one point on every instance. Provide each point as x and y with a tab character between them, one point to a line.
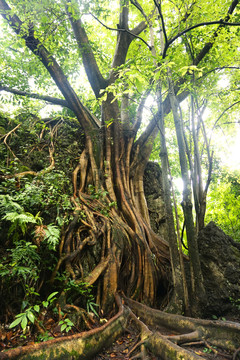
20	221
101	195
91	307
23	221
52	235
31	313
96	195
77	289
236	303
66	325
21	264
44	337
223	206
50	299
207	350
82	293
36	208
23	318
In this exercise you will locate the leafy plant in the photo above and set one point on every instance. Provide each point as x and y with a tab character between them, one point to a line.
20	221
66	325
235	302
83	293
224	205
22	263
91	307
44	337
51	298
30	314
52	235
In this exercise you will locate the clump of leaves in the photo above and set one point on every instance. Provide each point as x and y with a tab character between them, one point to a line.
81	293
21	264
21	223
31	313
30	253
66	325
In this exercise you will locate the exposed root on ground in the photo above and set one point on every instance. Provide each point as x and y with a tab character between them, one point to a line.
176	330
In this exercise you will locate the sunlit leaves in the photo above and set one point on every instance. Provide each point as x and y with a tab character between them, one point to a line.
224	203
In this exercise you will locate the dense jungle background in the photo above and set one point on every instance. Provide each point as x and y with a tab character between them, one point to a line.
119	178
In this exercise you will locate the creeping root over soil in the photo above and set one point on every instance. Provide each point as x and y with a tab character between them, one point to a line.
164	335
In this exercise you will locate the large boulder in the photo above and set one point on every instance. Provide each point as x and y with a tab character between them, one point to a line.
153	191
220	261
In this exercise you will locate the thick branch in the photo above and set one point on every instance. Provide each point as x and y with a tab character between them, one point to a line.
124	40
47	98
50	99
92	70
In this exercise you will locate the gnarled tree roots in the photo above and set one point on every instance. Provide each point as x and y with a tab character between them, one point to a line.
170	331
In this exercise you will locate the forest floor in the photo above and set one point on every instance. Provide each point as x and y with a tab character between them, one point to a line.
126	347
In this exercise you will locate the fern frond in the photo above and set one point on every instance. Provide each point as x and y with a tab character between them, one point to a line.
19	220
52	235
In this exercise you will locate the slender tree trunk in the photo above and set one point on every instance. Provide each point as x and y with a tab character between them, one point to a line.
180	298
197	286
179	301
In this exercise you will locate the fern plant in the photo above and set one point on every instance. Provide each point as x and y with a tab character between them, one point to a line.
52	236
20	221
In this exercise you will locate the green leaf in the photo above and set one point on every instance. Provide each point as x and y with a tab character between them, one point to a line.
15	322
63	327
24	322
52	235
45	304
36	308
69	322
52	295
139	85
31	316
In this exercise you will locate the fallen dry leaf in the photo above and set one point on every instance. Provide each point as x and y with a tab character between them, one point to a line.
119	342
